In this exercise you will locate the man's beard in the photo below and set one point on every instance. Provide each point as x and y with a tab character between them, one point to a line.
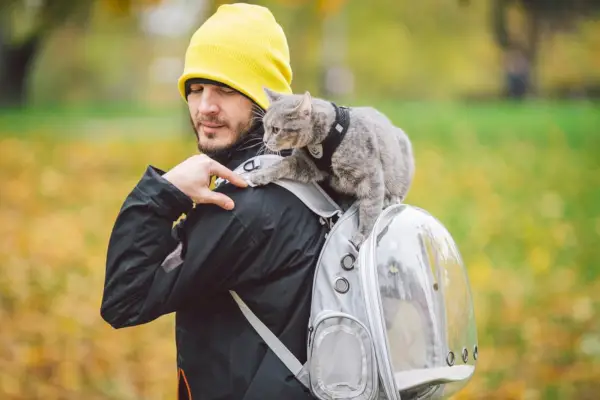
214	152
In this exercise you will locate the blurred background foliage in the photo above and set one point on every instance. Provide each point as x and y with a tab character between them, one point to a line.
500	98
65	52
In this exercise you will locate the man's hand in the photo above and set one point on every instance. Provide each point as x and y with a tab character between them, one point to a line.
193	177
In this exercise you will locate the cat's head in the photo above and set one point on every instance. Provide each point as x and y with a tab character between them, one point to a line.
287	121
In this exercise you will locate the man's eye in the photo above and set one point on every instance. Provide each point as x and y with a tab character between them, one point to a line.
228	91
196	89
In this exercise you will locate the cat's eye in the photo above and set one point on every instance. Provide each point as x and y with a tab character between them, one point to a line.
275	130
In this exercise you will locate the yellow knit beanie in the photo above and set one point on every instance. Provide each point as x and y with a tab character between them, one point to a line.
242	46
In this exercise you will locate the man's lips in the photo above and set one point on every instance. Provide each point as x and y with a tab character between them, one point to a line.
211	125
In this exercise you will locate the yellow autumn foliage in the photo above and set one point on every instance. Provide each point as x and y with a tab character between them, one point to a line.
524	208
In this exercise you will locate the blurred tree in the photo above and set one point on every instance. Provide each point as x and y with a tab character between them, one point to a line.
521	44
24	27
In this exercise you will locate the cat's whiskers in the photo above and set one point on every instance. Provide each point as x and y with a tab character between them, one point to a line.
255	140
258	115
256	118
252	143
262	150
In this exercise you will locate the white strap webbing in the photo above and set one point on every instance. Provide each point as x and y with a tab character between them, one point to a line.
284	354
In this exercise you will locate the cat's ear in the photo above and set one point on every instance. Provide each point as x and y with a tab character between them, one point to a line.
305	106
271	95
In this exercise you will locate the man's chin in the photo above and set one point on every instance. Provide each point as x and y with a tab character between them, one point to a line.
213	149
217	148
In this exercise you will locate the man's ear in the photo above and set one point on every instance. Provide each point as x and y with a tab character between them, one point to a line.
305	105
271	95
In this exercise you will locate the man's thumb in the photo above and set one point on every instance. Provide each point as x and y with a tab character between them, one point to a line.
221	200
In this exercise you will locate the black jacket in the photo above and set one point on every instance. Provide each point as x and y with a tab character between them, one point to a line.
266	249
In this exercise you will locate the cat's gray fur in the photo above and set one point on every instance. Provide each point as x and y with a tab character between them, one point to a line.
374	162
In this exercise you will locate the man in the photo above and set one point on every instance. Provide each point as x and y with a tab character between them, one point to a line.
261	242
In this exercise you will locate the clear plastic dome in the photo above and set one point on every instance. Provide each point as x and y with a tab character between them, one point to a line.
425	295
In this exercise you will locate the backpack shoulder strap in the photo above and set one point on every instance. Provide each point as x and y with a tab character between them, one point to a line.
280	350
311	194
318	201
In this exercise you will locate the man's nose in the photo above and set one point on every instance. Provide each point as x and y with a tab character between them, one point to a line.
208	103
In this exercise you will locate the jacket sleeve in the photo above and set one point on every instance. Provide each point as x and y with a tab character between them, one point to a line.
140	240
217	252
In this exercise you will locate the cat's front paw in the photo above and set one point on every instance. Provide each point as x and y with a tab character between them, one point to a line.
258	178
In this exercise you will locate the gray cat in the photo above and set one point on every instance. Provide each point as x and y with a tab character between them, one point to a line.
358	149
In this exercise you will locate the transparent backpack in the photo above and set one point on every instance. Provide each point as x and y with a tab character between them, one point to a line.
392	321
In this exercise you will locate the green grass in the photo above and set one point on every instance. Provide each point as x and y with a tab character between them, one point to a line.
491	122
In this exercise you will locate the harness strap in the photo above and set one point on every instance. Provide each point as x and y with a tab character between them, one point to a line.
321	153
